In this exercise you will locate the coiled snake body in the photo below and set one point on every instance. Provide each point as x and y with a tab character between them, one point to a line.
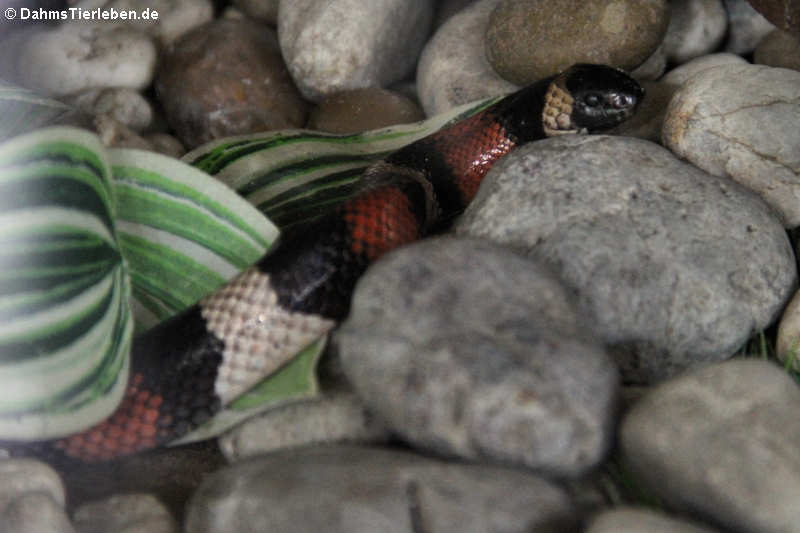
187	368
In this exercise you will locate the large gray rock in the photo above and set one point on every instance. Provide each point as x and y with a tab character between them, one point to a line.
721	442
333	45
740	121
364	490
696	27
467	348
678	267
453	69
634	520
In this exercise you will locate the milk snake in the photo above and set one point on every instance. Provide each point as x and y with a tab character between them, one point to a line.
187	368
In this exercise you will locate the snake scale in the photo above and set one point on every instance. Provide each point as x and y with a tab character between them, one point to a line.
186	369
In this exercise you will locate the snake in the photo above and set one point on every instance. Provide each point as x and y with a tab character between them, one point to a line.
187	368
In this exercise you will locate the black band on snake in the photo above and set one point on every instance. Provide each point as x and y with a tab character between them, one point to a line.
185	369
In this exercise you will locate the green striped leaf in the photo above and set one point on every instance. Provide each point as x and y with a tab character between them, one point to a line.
183	233
296	175
65	321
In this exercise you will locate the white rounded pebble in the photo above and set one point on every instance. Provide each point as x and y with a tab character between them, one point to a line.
75	57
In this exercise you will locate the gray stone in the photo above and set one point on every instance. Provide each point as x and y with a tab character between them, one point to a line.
21	476
333	45
740	121
125	513
634	520
528	40
778	49
721	442
681	74
335	417
696	27
453	69
74	57
677	267
467	348
363	490
746	27
654	67
35	512
175	17
124	105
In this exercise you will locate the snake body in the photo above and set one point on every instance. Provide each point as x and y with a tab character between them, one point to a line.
187	368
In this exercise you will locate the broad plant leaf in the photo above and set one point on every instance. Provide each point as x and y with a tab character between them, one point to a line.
296	175
183	233
65	321
79	224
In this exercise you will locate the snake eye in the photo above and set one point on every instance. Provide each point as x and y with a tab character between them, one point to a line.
621	101
592	99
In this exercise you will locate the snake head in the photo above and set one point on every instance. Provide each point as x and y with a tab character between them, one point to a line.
588	98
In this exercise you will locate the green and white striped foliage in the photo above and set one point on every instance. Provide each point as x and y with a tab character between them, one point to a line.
79	222
296	175
65	321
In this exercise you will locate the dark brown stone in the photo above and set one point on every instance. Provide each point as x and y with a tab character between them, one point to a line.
779	49
226	78
363	109
528	40
785	14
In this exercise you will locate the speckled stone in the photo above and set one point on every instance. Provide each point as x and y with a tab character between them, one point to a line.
721	442
335	45
346	489
740	121
453	69
531	39
468	349
677	267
